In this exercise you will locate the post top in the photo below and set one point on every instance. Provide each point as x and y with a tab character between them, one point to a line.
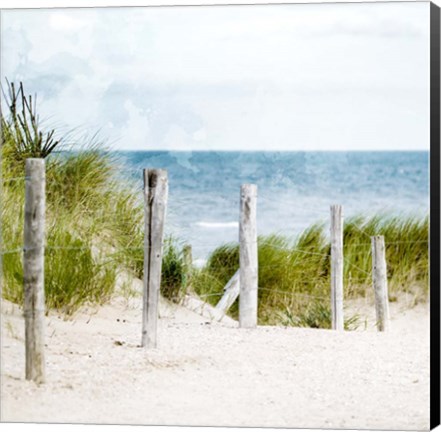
154	177
154	174
157	172
249	186
35	160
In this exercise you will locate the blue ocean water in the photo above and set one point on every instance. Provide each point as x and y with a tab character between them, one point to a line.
295	189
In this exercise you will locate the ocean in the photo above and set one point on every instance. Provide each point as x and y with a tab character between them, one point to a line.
295	189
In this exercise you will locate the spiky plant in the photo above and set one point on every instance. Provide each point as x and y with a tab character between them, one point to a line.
21	126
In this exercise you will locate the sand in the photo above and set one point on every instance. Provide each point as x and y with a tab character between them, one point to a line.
214	374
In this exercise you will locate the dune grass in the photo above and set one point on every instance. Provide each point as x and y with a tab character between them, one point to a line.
294	274
94	228
76	271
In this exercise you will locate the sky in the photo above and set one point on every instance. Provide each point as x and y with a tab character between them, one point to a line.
277	77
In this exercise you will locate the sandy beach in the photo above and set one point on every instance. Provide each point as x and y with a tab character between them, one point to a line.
214	374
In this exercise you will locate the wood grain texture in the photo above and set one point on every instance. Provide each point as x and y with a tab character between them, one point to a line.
337	267
33	269
248	257
155	204
379	279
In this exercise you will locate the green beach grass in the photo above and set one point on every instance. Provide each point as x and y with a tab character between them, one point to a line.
294	274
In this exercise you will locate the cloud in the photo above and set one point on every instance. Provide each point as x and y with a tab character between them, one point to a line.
291	76
136	133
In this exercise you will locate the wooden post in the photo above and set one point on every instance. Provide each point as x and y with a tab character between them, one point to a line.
2	246
379	278
33	269
188	266
231	292
155	203
248	257
337	267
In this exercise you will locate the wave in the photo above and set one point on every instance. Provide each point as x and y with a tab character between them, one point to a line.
215	225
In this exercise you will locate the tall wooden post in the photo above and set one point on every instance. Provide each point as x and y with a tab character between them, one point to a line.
248	257
33	269
155	203
337	267
379	278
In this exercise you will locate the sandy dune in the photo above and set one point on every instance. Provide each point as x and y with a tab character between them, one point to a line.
208	374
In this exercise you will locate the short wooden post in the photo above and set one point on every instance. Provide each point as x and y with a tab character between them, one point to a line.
155	203
337	267
379	278
248	257
231	292
187	257
33	269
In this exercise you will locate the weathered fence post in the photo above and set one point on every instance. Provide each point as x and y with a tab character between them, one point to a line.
337	267
33	269
155	203
248	257
1	229
379	278
187	257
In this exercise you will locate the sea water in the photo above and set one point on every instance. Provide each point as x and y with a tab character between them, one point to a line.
295	189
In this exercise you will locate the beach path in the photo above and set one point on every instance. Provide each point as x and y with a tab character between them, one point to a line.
215	374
